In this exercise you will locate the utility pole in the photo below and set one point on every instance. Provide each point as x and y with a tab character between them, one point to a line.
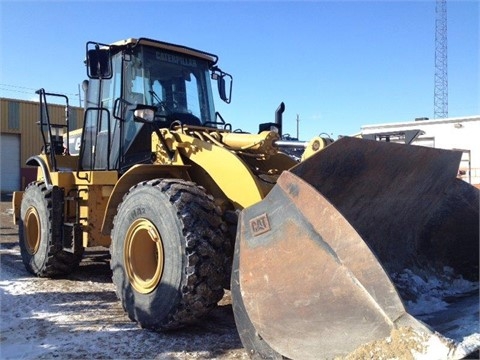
441	68
298	127
79	96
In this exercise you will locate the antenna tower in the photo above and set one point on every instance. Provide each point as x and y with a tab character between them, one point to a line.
441	65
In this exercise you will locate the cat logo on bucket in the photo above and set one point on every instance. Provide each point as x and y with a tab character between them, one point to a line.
259	225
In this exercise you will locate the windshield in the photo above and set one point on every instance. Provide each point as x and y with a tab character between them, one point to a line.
177	84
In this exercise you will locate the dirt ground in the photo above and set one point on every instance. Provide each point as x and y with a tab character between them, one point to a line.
80	316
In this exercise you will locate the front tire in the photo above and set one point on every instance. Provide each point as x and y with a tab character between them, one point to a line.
168	259
41	232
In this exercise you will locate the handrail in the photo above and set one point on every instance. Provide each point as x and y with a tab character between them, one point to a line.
48	143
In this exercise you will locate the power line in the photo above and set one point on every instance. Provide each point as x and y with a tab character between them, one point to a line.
18	87
18	91
23	89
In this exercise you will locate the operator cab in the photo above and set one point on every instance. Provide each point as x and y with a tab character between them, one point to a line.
171	80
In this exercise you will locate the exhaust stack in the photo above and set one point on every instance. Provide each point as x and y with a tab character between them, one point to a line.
279	117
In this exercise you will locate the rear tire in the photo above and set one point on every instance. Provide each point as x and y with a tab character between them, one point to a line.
41	231
168	259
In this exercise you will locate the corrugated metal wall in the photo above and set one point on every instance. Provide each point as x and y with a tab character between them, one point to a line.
21	117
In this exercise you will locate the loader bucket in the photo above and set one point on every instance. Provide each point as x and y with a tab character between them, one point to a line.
314	259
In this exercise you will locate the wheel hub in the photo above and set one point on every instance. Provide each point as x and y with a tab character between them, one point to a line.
32	230
143	256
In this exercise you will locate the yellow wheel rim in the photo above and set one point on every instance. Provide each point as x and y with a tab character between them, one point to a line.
32	230
143	256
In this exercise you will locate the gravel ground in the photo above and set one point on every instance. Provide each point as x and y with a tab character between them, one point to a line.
80	317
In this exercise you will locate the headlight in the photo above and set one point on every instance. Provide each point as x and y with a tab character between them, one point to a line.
144	115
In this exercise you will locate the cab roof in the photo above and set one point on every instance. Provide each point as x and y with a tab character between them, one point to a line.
211	58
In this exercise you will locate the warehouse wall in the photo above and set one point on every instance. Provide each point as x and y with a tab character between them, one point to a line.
20	117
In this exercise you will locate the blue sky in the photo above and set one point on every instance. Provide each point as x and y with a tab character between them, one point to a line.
337	64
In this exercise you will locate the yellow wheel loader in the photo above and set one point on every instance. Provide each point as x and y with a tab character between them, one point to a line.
312	250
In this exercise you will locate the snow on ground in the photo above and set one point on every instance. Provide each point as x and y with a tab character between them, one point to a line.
447	303
45	319
80	317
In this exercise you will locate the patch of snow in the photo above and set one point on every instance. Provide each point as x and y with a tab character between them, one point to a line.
431	294
469	344
435	347
448	303
74	319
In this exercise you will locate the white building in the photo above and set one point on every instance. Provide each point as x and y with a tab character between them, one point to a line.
461	133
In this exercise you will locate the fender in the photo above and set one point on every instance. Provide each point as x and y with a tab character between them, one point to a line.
136	174
37	160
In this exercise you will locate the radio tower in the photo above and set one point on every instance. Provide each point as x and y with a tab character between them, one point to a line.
441	66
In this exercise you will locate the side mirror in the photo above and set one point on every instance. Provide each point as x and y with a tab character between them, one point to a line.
219	75
99	62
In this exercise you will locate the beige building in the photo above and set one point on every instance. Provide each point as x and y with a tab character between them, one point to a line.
20	138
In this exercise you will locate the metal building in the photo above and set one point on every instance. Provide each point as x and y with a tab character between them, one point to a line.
20	138
459	133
